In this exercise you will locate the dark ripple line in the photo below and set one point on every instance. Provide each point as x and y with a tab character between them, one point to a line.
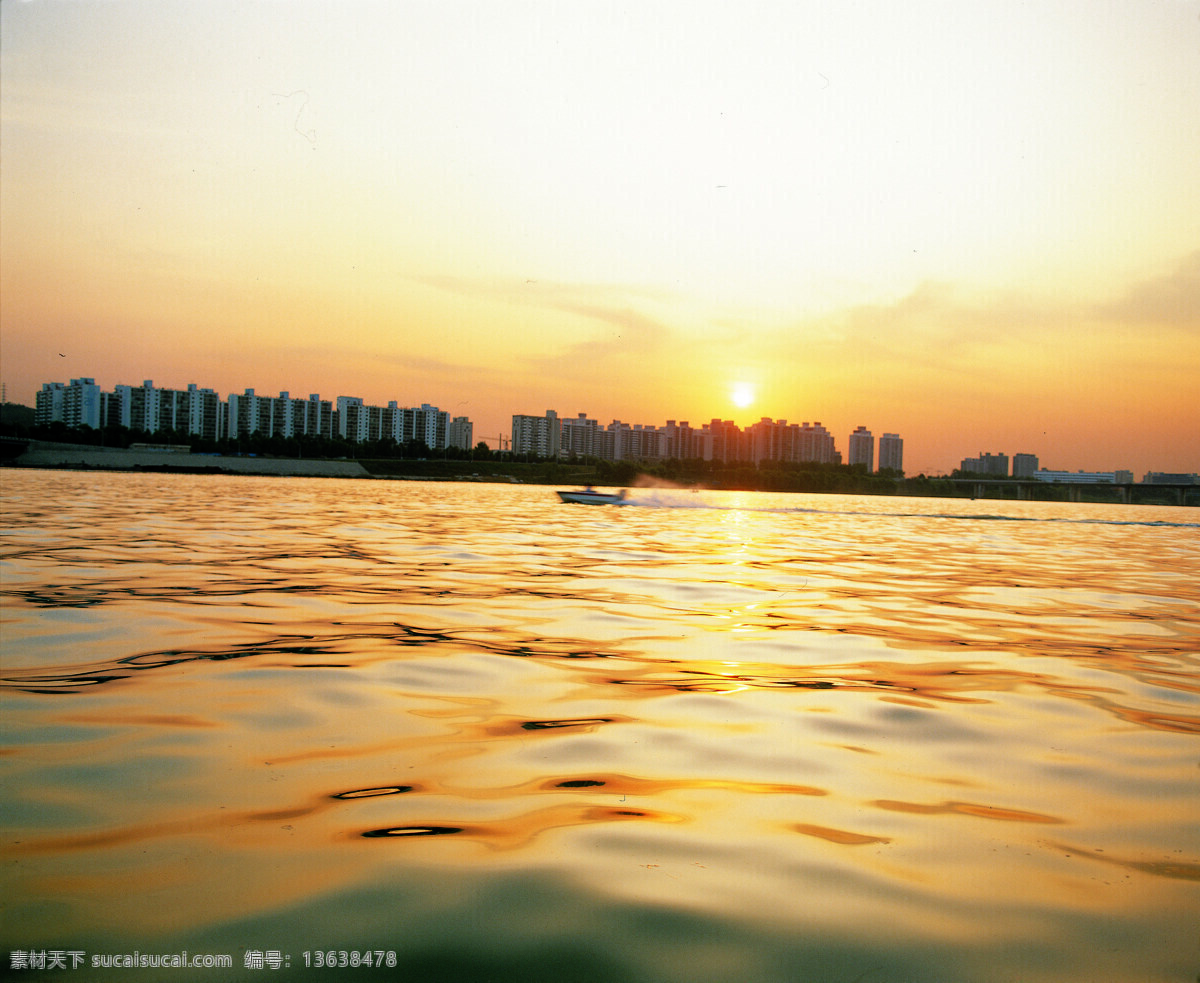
414	831
367	793
36	680
80	596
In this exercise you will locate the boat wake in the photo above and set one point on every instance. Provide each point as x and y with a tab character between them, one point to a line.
698	500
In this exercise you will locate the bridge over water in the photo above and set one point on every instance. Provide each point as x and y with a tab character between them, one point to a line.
1080	491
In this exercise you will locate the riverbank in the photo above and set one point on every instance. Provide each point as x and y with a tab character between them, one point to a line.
47	455
82	457
43	454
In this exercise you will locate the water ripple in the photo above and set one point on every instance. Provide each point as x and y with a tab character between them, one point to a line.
842	720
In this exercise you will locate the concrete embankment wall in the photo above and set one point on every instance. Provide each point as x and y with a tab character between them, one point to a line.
45	455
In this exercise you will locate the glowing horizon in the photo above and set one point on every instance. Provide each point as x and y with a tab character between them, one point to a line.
972	225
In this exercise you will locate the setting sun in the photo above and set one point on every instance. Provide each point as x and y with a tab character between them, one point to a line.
852	213
742	394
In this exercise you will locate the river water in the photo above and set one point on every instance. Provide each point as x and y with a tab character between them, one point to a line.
702	737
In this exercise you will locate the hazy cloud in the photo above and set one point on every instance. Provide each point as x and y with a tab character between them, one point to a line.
611	306
935	324
1172	300
545	293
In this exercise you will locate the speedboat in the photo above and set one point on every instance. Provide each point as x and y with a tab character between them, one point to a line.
591	497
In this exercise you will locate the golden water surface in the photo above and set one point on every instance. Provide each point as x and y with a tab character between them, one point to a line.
702	737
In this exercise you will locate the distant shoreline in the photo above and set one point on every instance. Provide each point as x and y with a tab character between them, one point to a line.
48	457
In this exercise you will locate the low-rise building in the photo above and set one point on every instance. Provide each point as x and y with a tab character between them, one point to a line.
1163	478
1076	477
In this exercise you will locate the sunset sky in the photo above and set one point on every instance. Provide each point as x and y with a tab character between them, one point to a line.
976	224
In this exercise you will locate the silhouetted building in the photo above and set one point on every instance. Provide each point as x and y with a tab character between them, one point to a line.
1161	478
891	452
862	448
728	441
624	441
778	440
815	443
461	433
682	441
1024	465
991	464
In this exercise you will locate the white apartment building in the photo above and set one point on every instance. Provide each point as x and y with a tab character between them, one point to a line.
201	412
430	425
624	441
250	413
205	411
136	407
1076	477
49	403
81	404
540	435
278	416
283	415
580	436
352	418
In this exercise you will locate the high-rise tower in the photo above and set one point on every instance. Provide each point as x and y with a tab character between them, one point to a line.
891	452
862	448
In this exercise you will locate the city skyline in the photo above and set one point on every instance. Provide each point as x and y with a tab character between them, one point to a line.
884	442
974	224
200	411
